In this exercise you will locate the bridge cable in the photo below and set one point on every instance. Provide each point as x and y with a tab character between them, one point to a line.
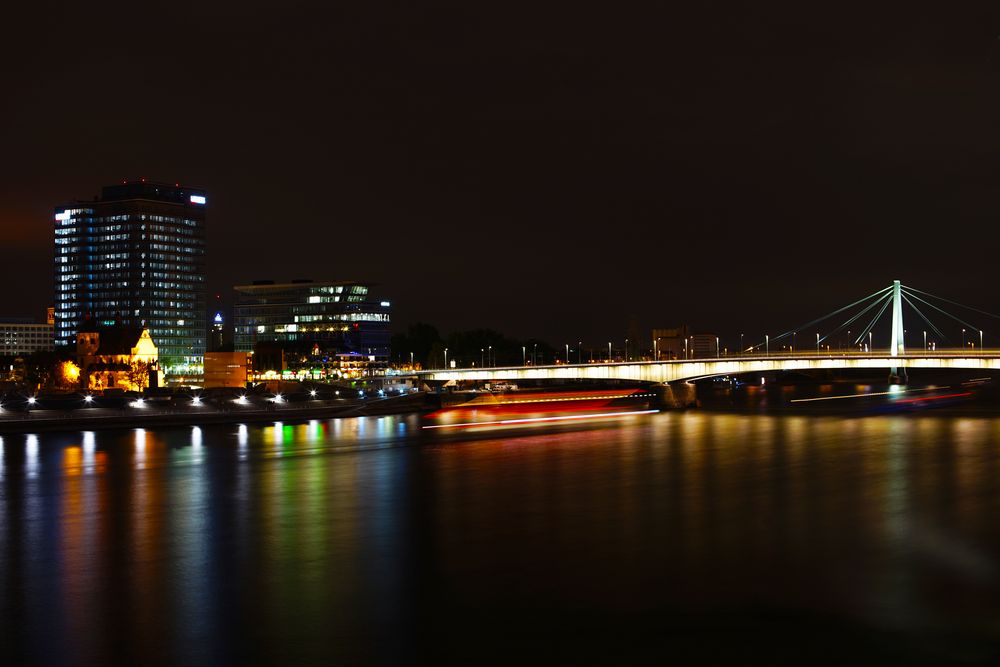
924	317
955	303
873	322
857	315
828	315
957	319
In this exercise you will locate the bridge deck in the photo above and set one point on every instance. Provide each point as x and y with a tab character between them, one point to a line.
689	369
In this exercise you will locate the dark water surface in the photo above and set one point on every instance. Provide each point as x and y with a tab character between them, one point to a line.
679	536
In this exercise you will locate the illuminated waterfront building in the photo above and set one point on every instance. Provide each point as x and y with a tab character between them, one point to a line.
135	256
323	329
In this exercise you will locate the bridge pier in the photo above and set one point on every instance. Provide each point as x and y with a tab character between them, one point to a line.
678	395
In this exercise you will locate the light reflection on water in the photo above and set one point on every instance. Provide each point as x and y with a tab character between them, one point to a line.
341	538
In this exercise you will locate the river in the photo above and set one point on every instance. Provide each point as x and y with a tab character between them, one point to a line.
684	536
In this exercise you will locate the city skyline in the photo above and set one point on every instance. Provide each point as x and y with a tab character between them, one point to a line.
681	170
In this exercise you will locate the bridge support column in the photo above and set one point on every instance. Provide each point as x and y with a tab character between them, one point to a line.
675	396
897	339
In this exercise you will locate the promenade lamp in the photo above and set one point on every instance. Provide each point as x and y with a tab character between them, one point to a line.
792	348
411	362
741	344
446	357
686	348
534	355
925	341
567	354
767	344
717	347
980	340
626	350
482	353
493	360
870	348
579	351
963	338
817	342
656	352
524	355
609	351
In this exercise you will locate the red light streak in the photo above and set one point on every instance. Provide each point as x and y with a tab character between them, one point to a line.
933	398
537	420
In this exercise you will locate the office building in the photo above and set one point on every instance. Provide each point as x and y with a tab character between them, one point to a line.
321	329
135	256
20	336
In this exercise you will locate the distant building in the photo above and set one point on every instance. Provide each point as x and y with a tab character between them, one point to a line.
20	336
135	256
218	333
704	345
669	343
320	329
118	357
227	369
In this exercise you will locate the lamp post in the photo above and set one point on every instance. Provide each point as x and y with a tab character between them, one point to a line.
980	341
656	353
446	357
579	351
767	344
524	356
567	354
963	339
717	355
482	357
925	341
626	350
609	351
741	344
817	342
870	346
411	361
793	342
534	355
493	360
686	348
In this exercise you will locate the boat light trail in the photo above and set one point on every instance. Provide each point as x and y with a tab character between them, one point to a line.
877	393
536	420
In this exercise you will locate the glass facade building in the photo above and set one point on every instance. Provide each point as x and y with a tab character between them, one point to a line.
316	324
135	256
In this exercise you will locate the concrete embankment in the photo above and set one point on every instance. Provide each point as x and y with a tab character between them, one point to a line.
91	420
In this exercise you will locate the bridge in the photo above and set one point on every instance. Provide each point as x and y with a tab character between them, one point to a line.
694	369
759	358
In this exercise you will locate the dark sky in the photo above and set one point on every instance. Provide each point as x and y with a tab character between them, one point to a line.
551	171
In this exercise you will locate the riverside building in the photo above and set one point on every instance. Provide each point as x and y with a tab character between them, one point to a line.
20	336
135	256
312	330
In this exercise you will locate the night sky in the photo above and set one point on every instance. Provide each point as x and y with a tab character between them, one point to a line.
546	171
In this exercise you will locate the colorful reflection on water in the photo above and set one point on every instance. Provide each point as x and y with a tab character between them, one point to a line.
372	539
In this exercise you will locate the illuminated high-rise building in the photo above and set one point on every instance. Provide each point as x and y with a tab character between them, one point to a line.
135	256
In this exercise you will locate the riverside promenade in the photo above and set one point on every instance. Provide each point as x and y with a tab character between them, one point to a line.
147	413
